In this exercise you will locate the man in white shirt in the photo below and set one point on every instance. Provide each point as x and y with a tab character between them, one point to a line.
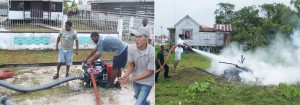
179	49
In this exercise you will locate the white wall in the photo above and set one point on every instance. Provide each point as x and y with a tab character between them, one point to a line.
188	23
20	15
16	15
7	41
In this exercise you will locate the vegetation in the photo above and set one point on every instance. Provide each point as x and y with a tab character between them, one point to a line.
191	86
255	29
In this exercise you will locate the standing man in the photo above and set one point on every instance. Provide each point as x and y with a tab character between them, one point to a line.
66	39
141	66
109	44
179	49
145	24
160	59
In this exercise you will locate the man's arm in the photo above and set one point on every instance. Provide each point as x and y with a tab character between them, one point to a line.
96	57
187	45
76	51
76	42
57	42
93	52
144	75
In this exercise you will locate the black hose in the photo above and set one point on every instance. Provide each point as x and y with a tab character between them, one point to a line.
5	101
42	87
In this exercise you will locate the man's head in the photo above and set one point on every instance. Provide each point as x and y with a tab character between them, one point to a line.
181	36
145	22
141	36
95	37
162	48
68	25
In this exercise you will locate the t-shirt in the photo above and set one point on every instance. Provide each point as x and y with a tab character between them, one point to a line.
110	44
143	61
161	57
179	49
67	39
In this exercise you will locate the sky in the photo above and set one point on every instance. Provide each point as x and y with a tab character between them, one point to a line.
200	10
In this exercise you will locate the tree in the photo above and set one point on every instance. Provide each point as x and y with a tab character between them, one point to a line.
296	4
225	13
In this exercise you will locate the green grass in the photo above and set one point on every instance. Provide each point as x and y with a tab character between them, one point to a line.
188	86
38	56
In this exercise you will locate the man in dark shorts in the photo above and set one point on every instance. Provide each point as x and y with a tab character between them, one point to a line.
109	44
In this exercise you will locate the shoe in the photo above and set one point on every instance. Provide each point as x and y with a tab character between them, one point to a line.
117	85
67	75
55	76
168	77
109	85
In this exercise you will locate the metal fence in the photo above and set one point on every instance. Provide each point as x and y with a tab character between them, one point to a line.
42	21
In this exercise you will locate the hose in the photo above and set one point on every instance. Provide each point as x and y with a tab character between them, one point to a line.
5	101
95	85
167	58
42	87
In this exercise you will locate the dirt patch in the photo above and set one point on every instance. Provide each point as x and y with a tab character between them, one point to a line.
70	93
190	74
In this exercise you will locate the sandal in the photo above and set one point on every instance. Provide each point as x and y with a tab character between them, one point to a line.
67	75
55	76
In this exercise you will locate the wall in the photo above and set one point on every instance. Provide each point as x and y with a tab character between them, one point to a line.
41	41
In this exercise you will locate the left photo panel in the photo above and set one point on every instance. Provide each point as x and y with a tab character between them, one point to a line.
77	52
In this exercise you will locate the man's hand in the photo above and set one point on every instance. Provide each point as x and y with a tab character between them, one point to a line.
85	59
76	52
124	80
88	62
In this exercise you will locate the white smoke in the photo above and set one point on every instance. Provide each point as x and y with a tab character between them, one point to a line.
278	62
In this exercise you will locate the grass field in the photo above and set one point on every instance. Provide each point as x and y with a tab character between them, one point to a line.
189	86
38	56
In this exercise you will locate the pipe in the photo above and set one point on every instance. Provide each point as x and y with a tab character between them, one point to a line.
42	87
5	101
95	85
167	58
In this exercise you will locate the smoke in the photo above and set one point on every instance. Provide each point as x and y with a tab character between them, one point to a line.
278	62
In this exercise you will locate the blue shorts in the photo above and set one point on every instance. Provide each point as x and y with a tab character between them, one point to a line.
65	56
120	60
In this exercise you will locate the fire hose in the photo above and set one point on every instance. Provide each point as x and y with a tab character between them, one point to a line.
5	101
42	87
95	85
167	58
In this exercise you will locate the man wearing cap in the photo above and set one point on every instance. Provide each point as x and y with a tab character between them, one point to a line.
141	66
109	44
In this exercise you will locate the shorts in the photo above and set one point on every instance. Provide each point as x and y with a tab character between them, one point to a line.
121	60
65	56
177	55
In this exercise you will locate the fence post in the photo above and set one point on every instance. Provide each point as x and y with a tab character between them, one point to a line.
120	28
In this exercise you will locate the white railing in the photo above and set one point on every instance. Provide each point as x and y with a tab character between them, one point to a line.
121	1
44	21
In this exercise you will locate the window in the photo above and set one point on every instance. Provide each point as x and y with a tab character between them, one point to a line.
16	5
80	2
221	36
187	33
206	36
56	7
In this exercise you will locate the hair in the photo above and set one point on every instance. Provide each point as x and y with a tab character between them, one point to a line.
145	19
162	46
69	23
180	35
94	34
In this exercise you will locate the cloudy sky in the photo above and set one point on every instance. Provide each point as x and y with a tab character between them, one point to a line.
200	10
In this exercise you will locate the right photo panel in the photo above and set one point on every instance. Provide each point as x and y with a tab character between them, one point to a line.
226	52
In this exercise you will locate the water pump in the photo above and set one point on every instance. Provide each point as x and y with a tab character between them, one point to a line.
102	73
